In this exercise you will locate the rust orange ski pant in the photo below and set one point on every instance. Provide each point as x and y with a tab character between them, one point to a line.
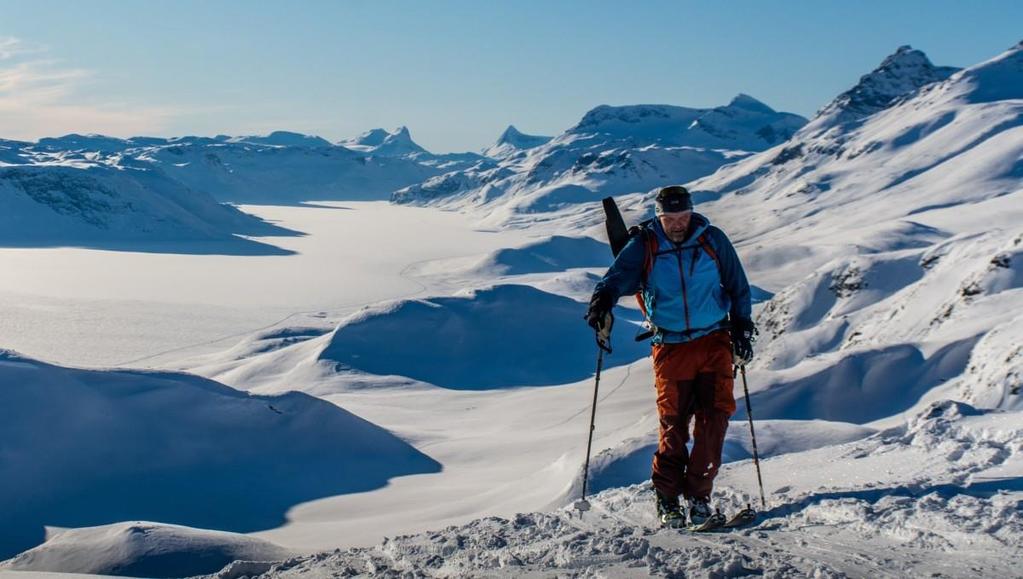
693	380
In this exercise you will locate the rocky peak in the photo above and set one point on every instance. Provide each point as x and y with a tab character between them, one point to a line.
898	75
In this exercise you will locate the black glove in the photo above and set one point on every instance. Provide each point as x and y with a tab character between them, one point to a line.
744	333
599	317
600	307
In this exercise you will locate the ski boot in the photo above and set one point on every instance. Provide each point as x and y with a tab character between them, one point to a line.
701	519
669	513
699	512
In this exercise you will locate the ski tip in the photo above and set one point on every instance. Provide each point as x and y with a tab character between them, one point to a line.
715	522
744	517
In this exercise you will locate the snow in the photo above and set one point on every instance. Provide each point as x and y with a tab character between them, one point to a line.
285	139
143	549
384	143
114	208
900	74
478	339
610	151
174	448
886	389
830	516
80	306
512	142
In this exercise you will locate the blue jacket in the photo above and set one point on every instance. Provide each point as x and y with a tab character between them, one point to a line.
686	294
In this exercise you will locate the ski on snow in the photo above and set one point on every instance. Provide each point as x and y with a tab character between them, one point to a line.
718	522
713	522
741	519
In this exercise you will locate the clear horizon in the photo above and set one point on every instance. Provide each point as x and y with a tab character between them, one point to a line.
456	74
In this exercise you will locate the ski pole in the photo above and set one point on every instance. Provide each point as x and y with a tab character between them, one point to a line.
753	435
582	504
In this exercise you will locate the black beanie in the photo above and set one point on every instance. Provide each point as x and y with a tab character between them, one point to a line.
673	199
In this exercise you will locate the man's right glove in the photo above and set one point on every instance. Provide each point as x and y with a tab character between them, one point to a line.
744	333
599	317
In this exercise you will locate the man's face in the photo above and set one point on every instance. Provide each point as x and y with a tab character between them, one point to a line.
676	224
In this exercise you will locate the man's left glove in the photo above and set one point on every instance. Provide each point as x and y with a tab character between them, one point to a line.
744	333
599	317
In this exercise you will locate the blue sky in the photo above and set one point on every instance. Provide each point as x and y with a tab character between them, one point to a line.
455	72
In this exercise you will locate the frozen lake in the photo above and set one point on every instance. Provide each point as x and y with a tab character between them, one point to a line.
106	308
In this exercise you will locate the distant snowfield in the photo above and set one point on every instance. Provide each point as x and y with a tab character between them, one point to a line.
105	308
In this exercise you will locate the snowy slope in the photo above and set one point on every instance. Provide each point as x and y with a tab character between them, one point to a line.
611	150
518	334
143	550
72	199
940	496
173	448
894	238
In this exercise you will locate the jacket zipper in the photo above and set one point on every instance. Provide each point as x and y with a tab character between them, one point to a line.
682	278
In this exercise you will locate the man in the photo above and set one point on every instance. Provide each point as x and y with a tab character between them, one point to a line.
696	298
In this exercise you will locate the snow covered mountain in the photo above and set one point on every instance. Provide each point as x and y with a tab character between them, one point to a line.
900	74
611	150
399	144
93	189
512	142
283	139
250	172
744	124
893	241
49	199
383	143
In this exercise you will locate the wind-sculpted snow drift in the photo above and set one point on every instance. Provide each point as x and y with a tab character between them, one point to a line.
557	253
501	336
175	448
141	549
